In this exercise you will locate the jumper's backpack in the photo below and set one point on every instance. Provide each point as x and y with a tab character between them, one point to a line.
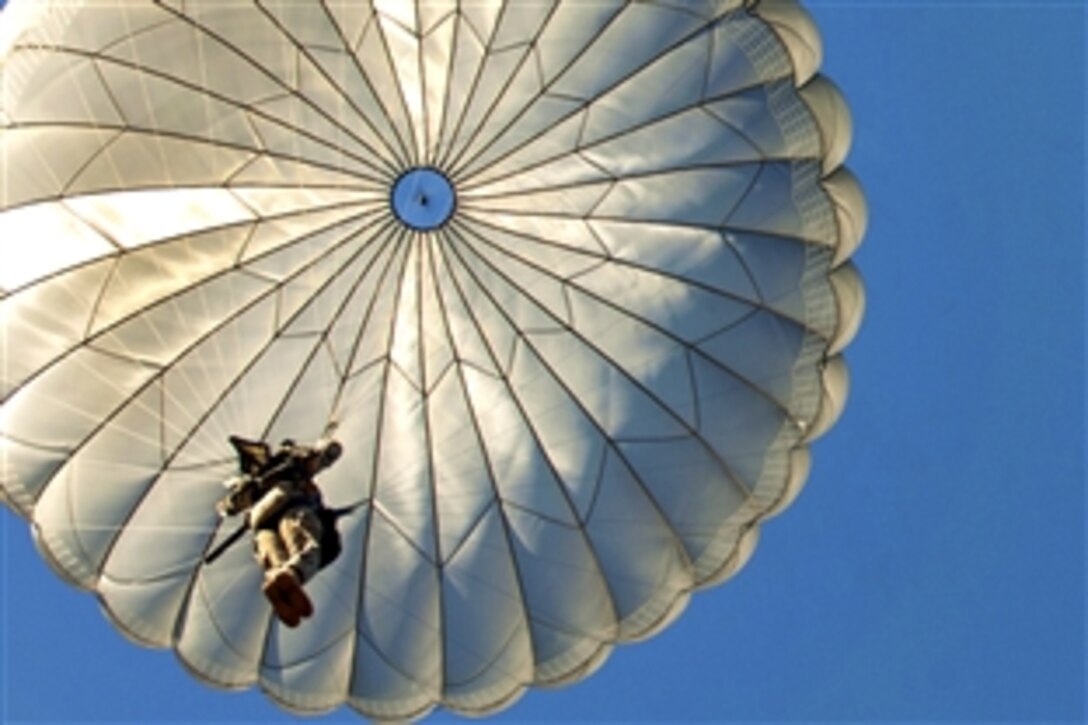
330	537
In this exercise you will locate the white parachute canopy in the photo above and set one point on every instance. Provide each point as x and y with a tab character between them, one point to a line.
570	279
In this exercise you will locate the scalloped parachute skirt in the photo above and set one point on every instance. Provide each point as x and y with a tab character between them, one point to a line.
569	280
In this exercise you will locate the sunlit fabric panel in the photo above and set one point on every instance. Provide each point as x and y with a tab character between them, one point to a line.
569	281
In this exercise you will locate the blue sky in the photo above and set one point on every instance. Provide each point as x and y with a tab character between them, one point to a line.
934	567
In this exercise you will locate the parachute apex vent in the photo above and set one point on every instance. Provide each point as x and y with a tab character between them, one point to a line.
423	198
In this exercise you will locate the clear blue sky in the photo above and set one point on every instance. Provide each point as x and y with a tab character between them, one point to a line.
934	567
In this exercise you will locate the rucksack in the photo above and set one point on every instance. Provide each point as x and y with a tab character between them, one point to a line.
331	545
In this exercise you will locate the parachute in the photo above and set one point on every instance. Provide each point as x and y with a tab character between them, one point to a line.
570	280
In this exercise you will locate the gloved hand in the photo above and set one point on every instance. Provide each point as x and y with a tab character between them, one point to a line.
224	508
239	497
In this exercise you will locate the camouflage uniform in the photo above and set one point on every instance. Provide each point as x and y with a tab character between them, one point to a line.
283	505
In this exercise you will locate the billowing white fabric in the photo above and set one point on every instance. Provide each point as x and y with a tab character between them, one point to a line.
563	410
